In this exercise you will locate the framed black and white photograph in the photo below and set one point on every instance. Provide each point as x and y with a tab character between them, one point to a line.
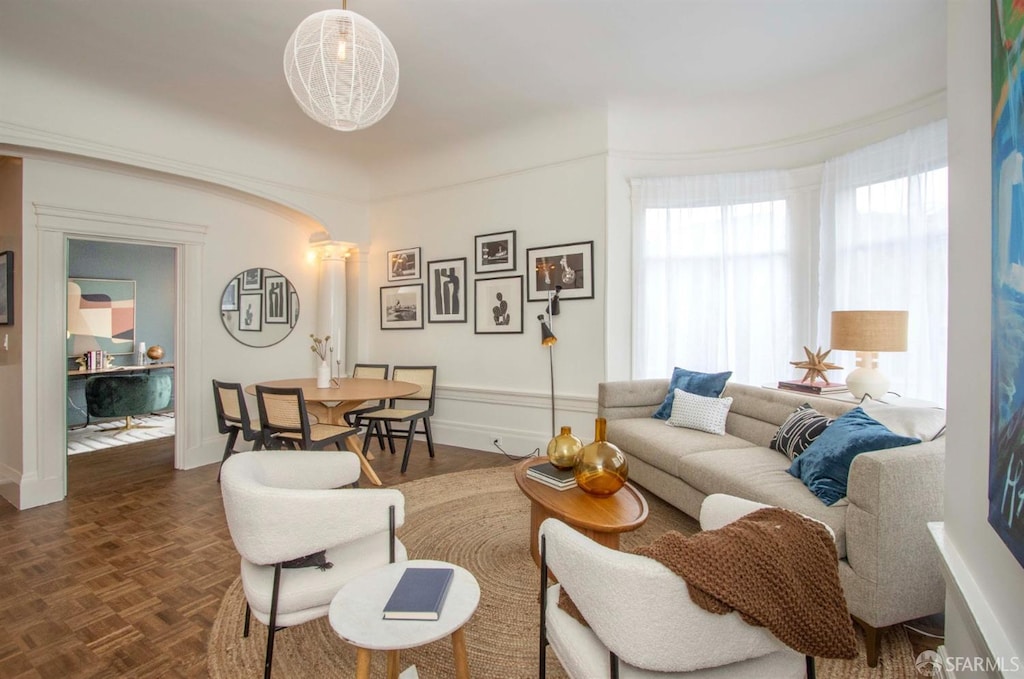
570	266
275	306
404	265
293	307
499	305
446	290
229	300
7	288
401	307
250	311
496	252
252	279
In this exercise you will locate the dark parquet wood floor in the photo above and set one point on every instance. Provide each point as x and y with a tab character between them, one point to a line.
124	578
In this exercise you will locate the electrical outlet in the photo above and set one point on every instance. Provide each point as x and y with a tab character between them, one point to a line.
496	441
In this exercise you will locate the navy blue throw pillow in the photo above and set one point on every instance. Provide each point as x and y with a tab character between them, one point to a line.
824	466
702	384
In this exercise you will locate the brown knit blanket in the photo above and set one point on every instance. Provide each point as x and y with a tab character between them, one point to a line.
775	567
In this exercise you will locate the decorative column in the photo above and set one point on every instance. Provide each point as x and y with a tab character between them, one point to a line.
331	310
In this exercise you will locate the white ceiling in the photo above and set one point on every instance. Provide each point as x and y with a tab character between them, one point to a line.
467	66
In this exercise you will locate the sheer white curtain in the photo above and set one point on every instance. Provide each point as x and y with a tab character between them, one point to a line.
884	229
712	275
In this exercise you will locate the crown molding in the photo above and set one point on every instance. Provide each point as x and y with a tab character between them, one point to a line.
933	100
30	137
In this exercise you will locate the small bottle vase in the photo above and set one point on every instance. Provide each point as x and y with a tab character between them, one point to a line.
323	375
601	468
564	449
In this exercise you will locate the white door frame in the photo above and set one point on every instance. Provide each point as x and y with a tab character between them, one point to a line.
45	477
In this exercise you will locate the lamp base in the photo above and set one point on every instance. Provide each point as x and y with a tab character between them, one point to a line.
868	382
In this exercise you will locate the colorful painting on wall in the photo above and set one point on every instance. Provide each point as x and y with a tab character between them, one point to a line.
1006	430
101	316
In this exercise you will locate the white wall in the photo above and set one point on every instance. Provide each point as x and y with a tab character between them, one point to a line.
499	384
41	109
239	234
985	602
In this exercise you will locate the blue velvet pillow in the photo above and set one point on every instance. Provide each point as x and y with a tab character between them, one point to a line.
824	466
702	384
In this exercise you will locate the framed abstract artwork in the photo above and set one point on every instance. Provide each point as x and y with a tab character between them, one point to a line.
101	316
250	312
499	306
229	299
446	280
404	265
401	307
275	303
7	288
569	266
252	279
495	252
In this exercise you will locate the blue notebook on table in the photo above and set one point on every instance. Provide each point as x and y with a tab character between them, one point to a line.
419	594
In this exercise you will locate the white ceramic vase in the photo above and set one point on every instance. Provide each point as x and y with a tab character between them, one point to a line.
323	375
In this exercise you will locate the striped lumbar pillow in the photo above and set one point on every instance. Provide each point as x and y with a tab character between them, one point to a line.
799	431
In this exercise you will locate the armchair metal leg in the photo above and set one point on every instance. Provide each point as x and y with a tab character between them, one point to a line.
542	670
273	622
613	665
391	534
810	667
248	617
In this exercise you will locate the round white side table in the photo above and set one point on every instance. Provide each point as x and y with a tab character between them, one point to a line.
357	616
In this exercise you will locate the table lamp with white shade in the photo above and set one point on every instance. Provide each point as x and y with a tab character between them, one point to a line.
867	333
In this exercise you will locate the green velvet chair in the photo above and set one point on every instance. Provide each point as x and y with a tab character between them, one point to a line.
127	395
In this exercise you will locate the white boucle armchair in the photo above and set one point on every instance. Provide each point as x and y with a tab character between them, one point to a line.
643	624
283	505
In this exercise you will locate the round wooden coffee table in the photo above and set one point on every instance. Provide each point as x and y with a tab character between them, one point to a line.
601	519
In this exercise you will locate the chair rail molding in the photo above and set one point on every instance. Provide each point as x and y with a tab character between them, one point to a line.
44	479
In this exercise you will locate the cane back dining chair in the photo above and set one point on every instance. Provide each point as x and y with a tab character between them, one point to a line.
286	422
375	371
233	418
418	407
289	517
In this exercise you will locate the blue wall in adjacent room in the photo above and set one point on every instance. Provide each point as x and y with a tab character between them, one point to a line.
152	269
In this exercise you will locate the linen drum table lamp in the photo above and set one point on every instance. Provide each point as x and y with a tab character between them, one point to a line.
867	333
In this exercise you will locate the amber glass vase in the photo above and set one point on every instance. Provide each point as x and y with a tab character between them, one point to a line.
564	448
601	468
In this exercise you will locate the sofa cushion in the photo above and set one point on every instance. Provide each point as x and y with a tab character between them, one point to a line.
760	474
825	465
923	423
799	431
702	413
702	384
662	447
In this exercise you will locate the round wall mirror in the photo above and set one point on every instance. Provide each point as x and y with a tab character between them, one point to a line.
259	307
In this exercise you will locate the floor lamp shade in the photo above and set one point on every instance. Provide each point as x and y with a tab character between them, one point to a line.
867	333
342	70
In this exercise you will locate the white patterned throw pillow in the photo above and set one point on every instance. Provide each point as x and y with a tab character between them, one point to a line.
699	412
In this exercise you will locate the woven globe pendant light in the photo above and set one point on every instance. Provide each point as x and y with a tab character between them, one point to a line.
342	70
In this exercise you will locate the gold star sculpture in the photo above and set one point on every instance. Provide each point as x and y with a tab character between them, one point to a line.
815	365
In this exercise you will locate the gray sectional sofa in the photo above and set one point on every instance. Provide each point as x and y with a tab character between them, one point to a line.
889	566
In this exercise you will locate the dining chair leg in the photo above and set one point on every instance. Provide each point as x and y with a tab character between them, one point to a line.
391	437
228	449
430	439
408	446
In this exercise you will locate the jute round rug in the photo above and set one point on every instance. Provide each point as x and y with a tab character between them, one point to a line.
480	521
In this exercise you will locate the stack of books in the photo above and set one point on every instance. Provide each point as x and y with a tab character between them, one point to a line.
812	387
549	475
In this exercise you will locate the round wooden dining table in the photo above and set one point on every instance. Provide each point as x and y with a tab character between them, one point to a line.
344	394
